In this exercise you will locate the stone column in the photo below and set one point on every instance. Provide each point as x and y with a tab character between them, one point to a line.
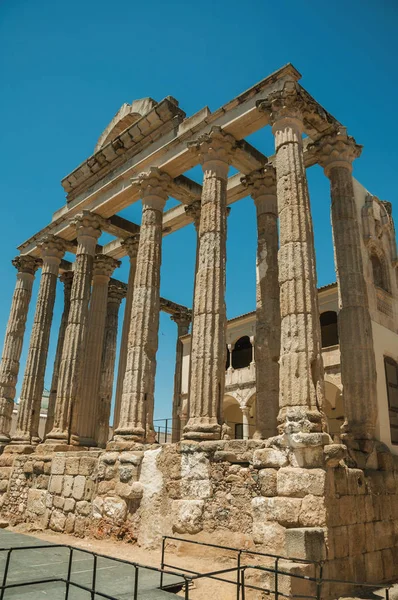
88	231
27	431
336	153
84	419
66	279
13	341
301	376
183	320
131	245
136	413
116	293
245	418
208	353
262	185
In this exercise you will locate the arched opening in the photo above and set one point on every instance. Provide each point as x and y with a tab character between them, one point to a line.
242	353
233	417
334	409
379	274
329	331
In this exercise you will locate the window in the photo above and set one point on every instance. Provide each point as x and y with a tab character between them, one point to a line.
242	353
329	332
379	277
391	368
228	361
239	431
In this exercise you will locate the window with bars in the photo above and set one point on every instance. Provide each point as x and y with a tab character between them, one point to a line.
391	368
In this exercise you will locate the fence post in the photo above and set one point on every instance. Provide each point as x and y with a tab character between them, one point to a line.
94	577
6	573
162	563
319	582
165	435
242	582
238	575
276	579
69	572
186	589
136	583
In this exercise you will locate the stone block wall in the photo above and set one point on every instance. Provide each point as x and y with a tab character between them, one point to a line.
300	501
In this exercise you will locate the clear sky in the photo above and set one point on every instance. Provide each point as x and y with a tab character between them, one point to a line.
67	67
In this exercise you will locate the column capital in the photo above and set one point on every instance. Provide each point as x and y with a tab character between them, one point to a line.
104	265
87	224
26	264
193	212
154	187
131	245
52	249
336	150
214	150
183	317
116	293
67	279
262	187
285	107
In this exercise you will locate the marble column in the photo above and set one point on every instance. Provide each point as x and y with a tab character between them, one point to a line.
84	419
88	231
301	377
208	353
183	320
13	341
131	245
52	250
66	278
136	413
246	425
335	153
116	293
262	186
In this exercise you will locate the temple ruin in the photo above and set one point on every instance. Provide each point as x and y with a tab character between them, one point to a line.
311	471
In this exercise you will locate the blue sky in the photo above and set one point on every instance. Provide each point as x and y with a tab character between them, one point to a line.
67	67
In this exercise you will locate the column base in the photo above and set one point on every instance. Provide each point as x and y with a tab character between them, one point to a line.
87	442
130	434
123	446
299	419
202	429
49	448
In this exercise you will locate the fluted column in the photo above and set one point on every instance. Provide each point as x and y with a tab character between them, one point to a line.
84	419
183	320
131	245
66	278
88	231
116	293
301	376
52	250
136	413
208	353
262	185
336	153
13	341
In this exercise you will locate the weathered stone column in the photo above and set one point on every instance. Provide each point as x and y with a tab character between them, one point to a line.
336	153
131	245
208	353
52	250
262	185
13	341
301	369
183	320
84	419
116	293
66	279
88	231
136	413
246	424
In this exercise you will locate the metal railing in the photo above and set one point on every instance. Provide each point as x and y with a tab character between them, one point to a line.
187	576
164	429
242	585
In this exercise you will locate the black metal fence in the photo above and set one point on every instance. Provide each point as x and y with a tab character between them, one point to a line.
186	576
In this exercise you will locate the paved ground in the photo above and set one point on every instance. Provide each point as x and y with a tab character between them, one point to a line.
113	578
